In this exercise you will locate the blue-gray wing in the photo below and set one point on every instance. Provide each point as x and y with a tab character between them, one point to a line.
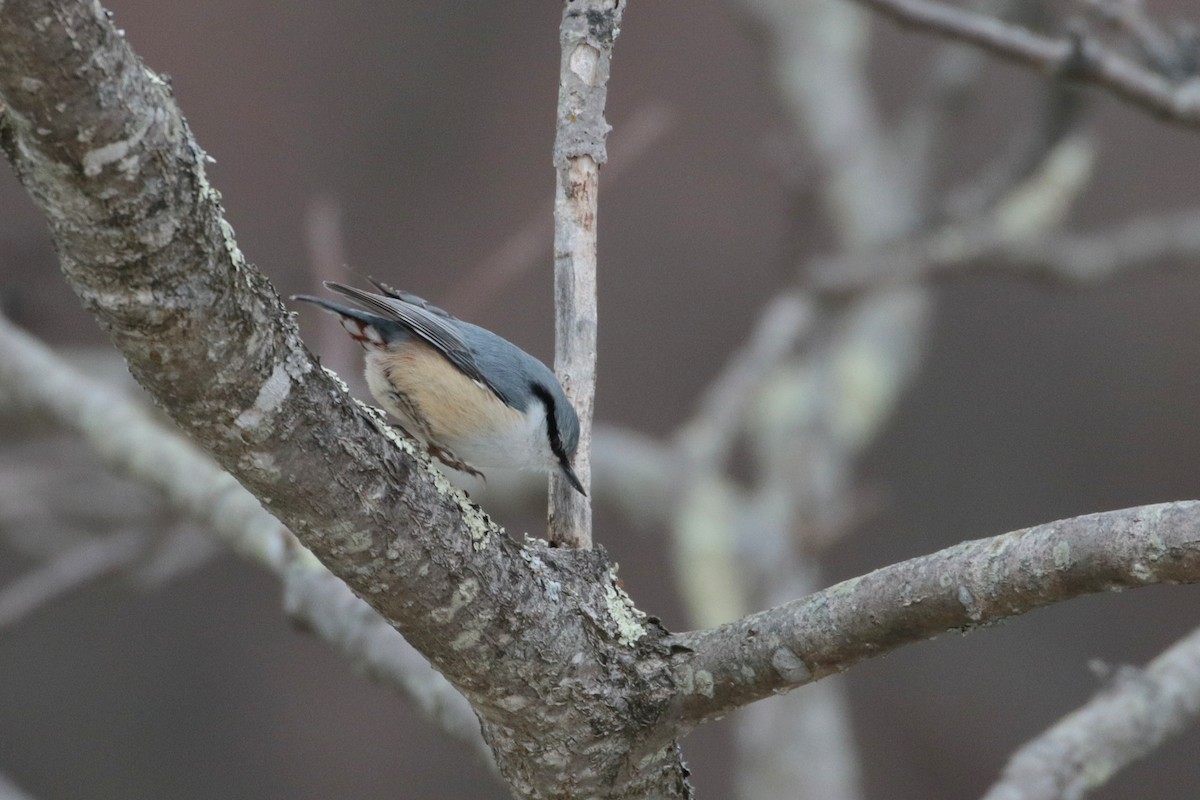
412	299
429	322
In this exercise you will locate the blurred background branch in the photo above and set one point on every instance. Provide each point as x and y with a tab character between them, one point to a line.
1077	56
136	446
1132	715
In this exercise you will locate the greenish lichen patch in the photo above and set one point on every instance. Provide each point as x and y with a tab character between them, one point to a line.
513	703
623	612
478	524
685	679
354	541
655	757
261	462
969	604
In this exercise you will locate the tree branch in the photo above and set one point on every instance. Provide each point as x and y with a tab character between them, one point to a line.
10	791
1079	59
705	439
961	588
142	239
1127	720
1068	259
589	29
84	564
803	418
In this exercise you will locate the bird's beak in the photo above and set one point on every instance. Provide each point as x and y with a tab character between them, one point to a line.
572	478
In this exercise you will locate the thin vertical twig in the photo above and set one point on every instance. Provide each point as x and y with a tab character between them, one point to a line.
589	28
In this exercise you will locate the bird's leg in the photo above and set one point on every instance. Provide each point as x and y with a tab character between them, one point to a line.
450	460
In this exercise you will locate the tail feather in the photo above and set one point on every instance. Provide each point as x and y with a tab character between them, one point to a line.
341	310
364	327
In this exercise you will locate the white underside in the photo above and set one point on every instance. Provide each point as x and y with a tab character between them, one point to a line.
523	446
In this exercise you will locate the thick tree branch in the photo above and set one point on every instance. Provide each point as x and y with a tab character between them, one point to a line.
98	142
1126	721
961	588
589	29
1079	59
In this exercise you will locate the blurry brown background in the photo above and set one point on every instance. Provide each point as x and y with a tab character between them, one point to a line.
429	125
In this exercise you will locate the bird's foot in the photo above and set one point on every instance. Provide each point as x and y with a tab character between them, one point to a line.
453	462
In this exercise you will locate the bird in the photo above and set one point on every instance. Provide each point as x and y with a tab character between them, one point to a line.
471	397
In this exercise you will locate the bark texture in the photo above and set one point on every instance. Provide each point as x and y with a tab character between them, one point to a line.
99	143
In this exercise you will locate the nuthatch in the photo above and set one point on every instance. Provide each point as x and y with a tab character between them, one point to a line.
474	399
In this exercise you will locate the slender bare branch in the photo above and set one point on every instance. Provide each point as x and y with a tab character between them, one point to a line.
322	605
1090	258
1132	716
131	442
744	545
818	58
1026	152
960	588
589	29
943	97
10	791
68	572
708	435
1076	58
1154	44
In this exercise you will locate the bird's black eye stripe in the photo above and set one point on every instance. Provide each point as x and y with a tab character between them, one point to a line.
556	445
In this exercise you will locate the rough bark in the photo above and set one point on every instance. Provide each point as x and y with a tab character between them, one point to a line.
100	145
